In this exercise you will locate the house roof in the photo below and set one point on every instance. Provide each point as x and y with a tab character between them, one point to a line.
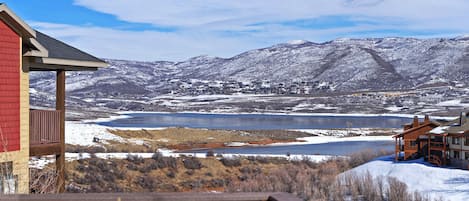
64	55
431	123
457	126
60	50
45	53
16	23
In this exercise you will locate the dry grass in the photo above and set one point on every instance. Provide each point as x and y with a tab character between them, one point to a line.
187	138
308	180
174	136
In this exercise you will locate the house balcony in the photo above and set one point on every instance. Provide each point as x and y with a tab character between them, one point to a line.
438	145
44	132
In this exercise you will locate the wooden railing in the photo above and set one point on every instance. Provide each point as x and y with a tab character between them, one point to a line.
435	160
436	144
44	127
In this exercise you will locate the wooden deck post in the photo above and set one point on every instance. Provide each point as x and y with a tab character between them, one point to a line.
429	147
397	150
60	105
444	149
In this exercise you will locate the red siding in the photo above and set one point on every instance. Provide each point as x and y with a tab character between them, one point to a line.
9	89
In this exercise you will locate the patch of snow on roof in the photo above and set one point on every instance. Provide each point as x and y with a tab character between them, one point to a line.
439	130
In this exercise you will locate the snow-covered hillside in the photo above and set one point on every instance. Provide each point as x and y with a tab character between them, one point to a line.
449	184
298	67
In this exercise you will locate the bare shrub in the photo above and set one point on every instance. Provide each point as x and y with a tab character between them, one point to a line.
192	163
321	181
164	162
397	190
135	159
362	157
43	181
147	182
231	162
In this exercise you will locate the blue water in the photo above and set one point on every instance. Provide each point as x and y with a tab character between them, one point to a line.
333	148
254	121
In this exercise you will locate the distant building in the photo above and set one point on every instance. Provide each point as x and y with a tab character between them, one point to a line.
440	144
412	142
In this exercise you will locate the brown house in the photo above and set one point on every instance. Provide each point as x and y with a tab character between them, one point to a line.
439	143
413	141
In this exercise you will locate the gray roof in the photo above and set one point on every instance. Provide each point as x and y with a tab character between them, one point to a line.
459	125
60	50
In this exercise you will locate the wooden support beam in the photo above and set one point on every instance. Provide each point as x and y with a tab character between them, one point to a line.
396	153
429	146
444	149
60	106
45	149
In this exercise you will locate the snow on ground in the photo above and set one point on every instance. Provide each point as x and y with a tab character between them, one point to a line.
394	108
329	139
82	133
43	161
169	153
450	184
79	133
346	132
453	103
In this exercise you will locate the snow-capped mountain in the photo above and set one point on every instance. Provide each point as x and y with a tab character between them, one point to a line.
344	64
350	64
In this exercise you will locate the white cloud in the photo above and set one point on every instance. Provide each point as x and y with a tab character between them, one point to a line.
145	45
226	28
190	13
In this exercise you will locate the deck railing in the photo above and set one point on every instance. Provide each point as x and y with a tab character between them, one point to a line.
437	144
44	127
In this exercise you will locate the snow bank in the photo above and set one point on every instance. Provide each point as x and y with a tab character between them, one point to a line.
453	103
79	133
169	153
329	139
451	184
41	162
346	132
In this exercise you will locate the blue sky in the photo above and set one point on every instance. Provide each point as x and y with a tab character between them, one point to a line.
177	30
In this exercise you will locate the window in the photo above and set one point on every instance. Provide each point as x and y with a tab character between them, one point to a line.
413	143
455	140
8	181
466	141
456	154
466	155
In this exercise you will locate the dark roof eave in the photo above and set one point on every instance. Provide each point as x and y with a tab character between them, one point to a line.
52	64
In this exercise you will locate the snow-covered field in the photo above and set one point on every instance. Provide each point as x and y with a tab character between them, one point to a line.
450	184
81	133
329	139
347	132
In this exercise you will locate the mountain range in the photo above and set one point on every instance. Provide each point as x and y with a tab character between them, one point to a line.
347	64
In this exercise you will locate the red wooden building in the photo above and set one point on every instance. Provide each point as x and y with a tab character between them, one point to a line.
25	133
